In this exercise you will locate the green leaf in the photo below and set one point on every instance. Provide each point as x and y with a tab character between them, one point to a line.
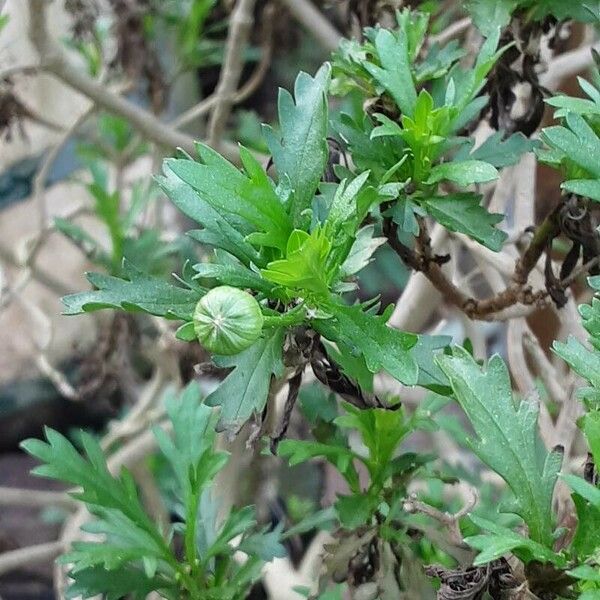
507	438
356	510
229	272
586	490
361	252
463	173
586	573
500	152
300	155
505	540
587	537
590	425
580	359
578	141
463	213
395	74
305	265
221	229
383	347
114	585
588	188
140	292
245	390
248	198
489	15
381	431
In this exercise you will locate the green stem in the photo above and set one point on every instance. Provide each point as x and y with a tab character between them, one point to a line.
289	319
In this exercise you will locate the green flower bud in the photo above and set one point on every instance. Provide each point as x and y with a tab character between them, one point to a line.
227	320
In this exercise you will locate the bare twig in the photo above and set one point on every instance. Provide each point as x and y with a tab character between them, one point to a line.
453	30
15	559
10	496
449	521
144	121
314	22
239	31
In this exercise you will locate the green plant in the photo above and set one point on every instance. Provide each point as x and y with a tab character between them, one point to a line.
277	296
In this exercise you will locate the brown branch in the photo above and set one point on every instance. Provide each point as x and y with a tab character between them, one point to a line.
56	63
486	309
15	559
315	23
237	39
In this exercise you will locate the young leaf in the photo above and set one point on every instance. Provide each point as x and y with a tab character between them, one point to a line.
361	252
245	390
463	213
249	198
395	73
507	439
305	265
221	230
140	292
463	173
503	540
498	151
300	155
383	347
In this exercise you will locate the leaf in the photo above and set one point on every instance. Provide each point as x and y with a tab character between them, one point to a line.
463	213
248	198
489	15
500	152
383	347
394	74
300	154
245	390
463	173
588	188
221	230
140	292
506	438
362	250
586	573
505	540
234	274
305	266
590	424
356	510
113	585
381	431
577	141
580	359
587	536
584	489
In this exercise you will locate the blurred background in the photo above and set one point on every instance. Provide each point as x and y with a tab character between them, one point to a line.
76	195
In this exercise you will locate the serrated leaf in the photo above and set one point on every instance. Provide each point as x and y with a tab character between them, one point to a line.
305	266
300	154
506	438
500	152
248	198
505	540
583	361
590	425
587	535
235	275
588	188
140	292
356	510
383	347
245	390
394	74
578	141
489	15
463	173
221	230
463	213
114	585
362	250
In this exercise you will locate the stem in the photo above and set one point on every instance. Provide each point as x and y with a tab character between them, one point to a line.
289	319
